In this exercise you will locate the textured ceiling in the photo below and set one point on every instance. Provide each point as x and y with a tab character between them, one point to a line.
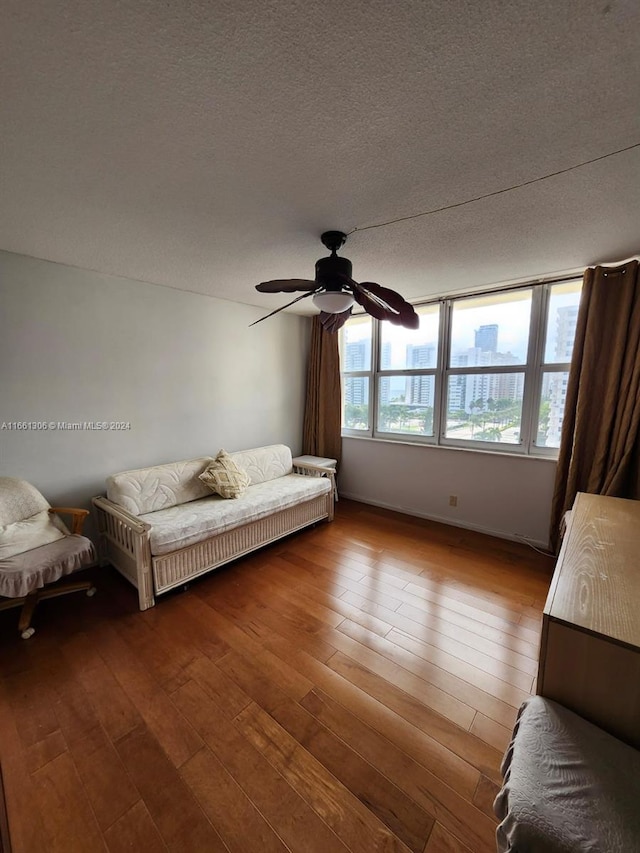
206	144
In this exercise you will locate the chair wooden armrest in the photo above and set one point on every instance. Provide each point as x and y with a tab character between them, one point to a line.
77	516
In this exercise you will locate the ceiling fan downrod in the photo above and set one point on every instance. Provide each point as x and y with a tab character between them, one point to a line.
332	272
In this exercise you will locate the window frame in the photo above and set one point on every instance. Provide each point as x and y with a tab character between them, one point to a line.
533	372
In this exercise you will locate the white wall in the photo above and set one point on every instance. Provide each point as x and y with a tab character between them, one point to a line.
500	494
185	370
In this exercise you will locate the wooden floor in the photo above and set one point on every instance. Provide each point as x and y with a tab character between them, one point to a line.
350	688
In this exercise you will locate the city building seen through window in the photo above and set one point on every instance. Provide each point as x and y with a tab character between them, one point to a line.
488	369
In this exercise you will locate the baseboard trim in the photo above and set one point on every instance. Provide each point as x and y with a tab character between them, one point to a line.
476	528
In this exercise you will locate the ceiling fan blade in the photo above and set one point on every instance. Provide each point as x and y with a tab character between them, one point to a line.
406	314
286	285
277	311
333	322
372	305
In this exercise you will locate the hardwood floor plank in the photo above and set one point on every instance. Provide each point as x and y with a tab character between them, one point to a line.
173	808
437	798
392	806
284	573
250	678
468	654
360	830
287	813
177	737
505	690
395	687
384	657
376	664
34	716
227	694
466	745
502	639
45	750
66	829
187	625
485	794
240	824
442	841
26	827
115	711
134	831
165	656
106	781
439	629
493	733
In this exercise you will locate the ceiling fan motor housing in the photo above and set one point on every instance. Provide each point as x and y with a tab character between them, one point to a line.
331	272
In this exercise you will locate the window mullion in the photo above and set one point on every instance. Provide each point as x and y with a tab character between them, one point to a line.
440	413
375	372
531	396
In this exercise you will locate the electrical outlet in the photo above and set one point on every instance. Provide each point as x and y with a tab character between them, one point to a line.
453	500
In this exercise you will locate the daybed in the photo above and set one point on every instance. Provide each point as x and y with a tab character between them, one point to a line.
162	526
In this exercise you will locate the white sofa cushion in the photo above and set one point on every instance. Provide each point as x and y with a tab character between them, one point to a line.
180	526
160	486
264	463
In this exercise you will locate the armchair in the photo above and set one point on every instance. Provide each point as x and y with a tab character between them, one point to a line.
37	549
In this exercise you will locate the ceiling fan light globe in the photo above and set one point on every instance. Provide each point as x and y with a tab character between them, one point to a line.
332	302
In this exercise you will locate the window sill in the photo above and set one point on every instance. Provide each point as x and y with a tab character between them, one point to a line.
455	448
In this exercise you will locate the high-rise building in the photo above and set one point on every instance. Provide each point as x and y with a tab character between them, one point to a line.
384	391
486	338
565	331
357	356
420	388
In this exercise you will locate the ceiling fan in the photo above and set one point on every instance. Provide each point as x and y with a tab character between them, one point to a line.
334	292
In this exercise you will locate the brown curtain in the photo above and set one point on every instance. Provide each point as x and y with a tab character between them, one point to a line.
600	444
322	414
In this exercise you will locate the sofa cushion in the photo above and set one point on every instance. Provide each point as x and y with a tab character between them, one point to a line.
264	463
160	486
29	533
224	477
180	526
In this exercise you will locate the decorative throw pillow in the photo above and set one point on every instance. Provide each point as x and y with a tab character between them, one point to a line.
224	477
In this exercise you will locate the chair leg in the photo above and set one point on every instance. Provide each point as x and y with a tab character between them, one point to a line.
26	614
31	600
63	589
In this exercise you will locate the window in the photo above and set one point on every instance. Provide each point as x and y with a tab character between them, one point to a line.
356	365
484	370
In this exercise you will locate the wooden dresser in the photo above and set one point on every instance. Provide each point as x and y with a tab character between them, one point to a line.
590	645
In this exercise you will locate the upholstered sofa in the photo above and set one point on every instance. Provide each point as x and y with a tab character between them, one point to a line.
163	526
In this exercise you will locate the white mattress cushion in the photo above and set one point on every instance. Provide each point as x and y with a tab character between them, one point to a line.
160	486
568	786
264	463
180	526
